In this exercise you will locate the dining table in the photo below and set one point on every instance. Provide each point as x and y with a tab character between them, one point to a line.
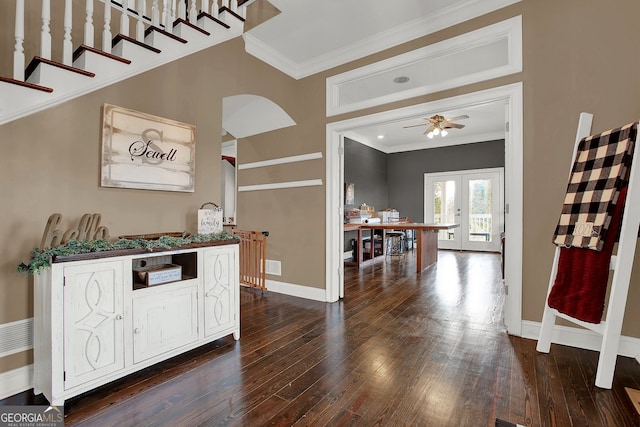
426	239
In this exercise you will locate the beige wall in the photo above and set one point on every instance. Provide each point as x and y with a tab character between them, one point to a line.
578	56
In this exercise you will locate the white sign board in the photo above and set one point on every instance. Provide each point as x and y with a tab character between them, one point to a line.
209	220
146	152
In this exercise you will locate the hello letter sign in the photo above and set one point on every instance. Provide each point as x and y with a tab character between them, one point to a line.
146	152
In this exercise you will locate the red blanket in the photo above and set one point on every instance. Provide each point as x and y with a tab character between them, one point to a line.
581	282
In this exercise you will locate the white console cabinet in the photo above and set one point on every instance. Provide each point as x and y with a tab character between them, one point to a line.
94	321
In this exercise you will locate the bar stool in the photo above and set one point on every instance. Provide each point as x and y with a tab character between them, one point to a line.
396	244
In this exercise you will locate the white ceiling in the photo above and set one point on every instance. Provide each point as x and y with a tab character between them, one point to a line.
485	123
310	36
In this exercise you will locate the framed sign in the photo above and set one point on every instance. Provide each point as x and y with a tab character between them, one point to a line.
146	152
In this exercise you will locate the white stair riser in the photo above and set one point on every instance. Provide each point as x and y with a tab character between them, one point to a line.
194	36
231	20
62	80
165	43
99	64
138	55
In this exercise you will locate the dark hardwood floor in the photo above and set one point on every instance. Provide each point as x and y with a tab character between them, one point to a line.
402	348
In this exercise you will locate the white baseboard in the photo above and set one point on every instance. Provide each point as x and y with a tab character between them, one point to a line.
581	338
16	381
294	290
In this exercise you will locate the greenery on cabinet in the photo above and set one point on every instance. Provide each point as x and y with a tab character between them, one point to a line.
41	259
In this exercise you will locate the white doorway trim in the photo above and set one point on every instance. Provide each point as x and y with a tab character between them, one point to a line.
512	96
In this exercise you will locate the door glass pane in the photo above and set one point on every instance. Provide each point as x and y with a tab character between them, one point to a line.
444	193
480	210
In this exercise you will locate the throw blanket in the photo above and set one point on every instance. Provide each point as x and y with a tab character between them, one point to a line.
583	274
599	172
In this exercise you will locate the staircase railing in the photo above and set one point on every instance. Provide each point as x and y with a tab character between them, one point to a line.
94	24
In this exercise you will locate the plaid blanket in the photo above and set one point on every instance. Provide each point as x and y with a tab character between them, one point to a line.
600	170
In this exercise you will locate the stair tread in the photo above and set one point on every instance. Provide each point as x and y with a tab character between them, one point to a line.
201	14
84	48
26	84
226	9
163	32
39	60
189	24
120	37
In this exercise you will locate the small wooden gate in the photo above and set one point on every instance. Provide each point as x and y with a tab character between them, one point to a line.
253	258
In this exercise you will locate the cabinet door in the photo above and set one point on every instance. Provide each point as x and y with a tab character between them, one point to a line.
220	285
164	320
93	326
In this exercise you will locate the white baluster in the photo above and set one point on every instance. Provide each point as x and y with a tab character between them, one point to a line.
106	32
193	12
182	10
204	6
124	18
155	14
166	13
18	52
215	9
45	32
140	24
174	13
243	11
225	3
88	25
234	6
67	45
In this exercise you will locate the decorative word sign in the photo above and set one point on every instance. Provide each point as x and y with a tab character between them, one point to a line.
209	220
146	152
89	228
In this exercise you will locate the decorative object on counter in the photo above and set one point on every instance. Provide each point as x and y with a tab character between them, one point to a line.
209	220
41	259
146	152
89	228
160	274
388	215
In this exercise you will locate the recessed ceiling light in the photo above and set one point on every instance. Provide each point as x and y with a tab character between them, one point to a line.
380	136
401	79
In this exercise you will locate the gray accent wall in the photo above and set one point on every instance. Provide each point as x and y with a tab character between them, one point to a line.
396	180
366	167
406	171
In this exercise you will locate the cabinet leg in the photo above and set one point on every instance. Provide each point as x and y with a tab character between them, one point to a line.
236	335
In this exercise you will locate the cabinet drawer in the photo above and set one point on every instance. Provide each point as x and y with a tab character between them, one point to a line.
164	321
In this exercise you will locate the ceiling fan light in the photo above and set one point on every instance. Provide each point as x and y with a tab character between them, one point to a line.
444	133
430	135
436	131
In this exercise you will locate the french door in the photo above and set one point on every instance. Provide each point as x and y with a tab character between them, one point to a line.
474	199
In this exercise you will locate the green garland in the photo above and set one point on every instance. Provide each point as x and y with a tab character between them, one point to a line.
41	259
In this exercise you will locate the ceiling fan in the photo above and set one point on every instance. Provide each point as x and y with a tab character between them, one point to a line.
438	125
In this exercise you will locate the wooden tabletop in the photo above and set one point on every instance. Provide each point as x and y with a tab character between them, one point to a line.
403	226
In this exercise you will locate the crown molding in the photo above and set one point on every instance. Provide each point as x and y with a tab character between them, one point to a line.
412	30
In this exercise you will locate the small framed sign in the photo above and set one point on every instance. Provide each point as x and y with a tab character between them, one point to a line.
210	219
146	152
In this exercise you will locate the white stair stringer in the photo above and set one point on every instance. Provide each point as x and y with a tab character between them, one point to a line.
18	101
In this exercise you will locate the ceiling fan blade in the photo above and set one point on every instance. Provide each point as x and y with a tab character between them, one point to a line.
453	125
413	126
429	129
453	119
